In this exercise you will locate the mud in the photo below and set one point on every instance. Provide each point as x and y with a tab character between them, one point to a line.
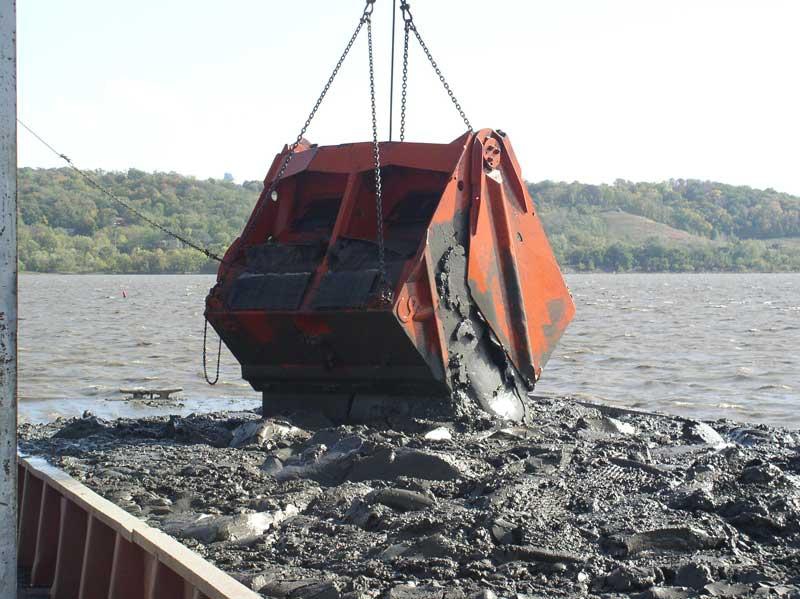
581	501
479	370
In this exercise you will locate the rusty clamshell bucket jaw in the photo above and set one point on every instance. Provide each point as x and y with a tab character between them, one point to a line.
478	300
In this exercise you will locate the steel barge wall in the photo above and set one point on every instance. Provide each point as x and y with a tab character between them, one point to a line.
83	546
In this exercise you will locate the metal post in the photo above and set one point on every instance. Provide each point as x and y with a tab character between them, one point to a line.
8	300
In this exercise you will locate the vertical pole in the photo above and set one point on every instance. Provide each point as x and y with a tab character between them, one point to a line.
8	300
391	76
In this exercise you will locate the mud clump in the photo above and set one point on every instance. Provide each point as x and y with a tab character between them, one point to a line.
582	500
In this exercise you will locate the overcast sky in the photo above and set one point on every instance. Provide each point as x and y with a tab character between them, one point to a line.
588	90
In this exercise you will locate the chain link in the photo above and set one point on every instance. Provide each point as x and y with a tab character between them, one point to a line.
405	82
385	291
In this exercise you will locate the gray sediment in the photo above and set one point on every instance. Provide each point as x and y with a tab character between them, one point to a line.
580	501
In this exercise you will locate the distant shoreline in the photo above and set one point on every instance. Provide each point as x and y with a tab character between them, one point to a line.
680	225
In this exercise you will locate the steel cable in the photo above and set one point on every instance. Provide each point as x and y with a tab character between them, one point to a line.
108	193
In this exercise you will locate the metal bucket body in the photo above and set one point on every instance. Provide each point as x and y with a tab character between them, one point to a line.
478	299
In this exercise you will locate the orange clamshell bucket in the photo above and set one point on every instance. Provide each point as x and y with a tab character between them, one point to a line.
478	300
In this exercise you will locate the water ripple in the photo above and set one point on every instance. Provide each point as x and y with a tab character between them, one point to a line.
706	346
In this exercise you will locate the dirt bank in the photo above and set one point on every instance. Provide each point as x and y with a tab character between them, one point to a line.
581	501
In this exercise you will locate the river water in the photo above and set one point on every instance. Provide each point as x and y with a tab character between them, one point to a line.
701	345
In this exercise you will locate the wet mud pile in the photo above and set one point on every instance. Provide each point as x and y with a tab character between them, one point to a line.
580	501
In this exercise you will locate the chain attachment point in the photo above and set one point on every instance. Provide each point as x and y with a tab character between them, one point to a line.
405	8
370	6
386	295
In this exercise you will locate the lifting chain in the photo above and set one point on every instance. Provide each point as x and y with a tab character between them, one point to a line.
366	18
409	26
408	19
219	353
290	152
385	293
404	97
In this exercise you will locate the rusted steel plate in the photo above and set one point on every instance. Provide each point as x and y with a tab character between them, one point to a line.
513	274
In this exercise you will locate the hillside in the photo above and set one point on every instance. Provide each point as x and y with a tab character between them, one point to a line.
67	226
678	225
634	229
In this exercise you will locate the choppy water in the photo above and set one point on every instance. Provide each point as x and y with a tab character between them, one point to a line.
706	346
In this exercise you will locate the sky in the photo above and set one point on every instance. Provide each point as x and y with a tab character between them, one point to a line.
587	90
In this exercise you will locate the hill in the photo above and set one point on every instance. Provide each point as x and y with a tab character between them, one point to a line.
679	225
676	225
67	226
634	229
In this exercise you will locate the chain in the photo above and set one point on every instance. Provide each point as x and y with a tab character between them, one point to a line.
405	81
219	353
317	104
385	291
409	19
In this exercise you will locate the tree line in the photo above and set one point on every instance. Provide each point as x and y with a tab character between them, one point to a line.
723	227
68	226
